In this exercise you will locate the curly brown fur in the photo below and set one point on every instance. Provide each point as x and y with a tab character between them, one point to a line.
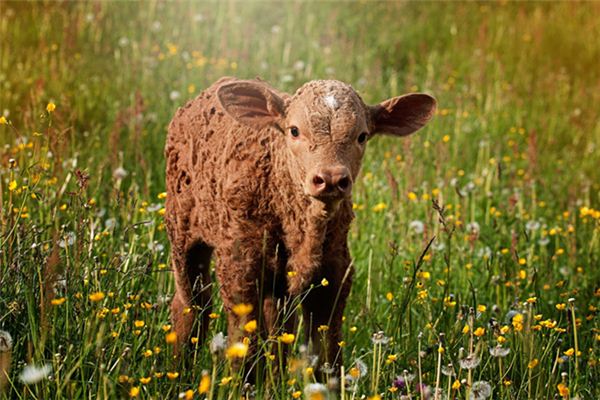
274	208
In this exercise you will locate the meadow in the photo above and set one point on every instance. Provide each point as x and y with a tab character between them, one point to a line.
476	241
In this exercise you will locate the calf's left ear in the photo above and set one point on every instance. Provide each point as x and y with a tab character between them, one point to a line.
403	115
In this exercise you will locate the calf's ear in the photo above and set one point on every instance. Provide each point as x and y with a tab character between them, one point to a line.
403	115
251	103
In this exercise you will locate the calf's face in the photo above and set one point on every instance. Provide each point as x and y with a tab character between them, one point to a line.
326	127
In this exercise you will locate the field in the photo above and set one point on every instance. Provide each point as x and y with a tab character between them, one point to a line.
476	241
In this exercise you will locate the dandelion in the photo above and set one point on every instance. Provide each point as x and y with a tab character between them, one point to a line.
563	390
324	282
97	296
380	338
217	343
12	186
473	228
145	380
499	351
120	173
204	386
171	337
533	363
379	207
287	338
242	309
172	375
51	107
3	120
134	392
480	390
479	332
469	362
237	350
417	227
315	391
250	326
6	341
58	301
33	374
139	324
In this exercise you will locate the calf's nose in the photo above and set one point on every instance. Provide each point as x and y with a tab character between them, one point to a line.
332	181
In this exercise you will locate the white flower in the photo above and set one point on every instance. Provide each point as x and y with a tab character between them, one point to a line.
544	241
380	338
532	225
315	391
120	173
480	390
473	228
217	343
6	341
33	374
174	95
499	351
69	240
299	65
469	362
123	42
417	226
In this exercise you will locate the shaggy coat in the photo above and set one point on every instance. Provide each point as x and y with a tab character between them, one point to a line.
262	180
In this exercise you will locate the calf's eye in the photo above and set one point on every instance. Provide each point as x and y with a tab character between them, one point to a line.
362	137
294	131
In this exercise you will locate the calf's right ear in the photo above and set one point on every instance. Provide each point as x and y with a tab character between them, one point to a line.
251	103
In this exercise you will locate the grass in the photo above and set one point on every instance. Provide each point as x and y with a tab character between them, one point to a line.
511	160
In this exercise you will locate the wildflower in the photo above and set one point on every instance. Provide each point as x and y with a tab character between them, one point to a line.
563	390
120	173
533	363
473	228
499	351
569	352
51	107
481	308
447	370
380	338
324	282
97	296
6	341
242	309
379	207
188	394
204	386
171	337
465	329
217	343
145	380
412	196
480	390
3	120
389	296
225	380
287	338
237	350
561	306
479	332
58	301
417	226
139	324
134	392
315	391
172	375
33	374
296	394
469	362
250	326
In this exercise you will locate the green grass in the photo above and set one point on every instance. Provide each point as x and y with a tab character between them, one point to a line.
514	148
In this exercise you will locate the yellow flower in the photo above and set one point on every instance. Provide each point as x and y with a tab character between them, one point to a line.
148	353
412	196
446	138
166	327
296	394
456	384
3	120
441	349
145	380
563	390
51	107
172	375
379	207
204	386
139	324
479	332
58	301
533	363
569	352
250	326
189	394
226	380
561	306
213	315
501	339
389	296
287	338
242	309
481	308
12	185
171	337
465	329
324	282
237	350
97	296
134	391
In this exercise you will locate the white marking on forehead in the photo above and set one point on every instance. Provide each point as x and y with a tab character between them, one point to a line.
331	101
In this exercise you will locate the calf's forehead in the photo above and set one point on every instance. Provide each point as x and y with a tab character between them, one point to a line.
328	105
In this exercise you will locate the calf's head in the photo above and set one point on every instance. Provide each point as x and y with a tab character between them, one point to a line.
326	126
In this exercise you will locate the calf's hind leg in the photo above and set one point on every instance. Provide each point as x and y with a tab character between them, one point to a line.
192	290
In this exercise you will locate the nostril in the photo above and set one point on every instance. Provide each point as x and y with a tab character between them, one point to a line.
344	183
318	180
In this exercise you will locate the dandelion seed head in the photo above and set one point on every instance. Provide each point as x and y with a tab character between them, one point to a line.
469	362
480	390
33	374
6	341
